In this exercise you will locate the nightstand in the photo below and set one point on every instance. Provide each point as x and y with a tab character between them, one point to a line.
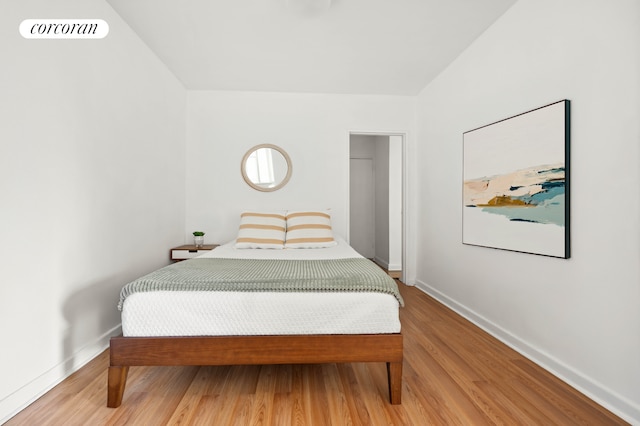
189	251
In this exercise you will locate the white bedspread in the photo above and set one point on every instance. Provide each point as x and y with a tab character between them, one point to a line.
183	313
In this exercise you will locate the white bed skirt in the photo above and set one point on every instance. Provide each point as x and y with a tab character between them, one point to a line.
182	313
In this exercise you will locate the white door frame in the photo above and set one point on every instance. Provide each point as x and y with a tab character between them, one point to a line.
405	188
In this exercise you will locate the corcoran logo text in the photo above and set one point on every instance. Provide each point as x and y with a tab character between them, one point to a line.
64	28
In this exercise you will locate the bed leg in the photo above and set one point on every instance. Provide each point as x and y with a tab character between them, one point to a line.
394	374
116	381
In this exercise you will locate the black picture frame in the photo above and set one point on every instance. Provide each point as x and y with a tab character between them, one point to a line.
516	183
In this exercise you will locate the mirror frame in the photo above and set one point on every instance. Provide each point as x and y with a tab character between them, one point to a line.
261	188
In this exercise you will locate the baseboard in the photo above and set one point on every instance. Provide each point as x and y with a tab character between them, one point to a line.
620	406
27	394
395	267
394	271
386	265
381	262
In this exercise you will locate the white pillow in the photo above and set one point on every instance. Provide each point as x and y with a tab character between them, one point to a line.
261	231
309	229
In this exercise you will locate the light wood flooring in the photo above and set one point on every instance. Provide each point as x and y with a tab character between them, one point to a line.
454	374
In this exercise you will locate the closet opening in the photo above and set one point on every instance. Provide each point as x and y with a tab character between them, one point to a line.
376	198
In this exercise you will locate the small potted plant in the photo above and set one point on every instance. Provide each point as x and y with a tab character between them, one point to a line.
198	238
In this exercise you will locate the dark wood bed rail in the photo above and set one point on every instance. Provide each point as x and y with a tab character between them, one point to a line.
252	350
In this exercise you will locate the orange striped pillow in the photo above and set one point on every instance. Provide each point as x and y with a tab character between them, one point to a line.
309	229
261	231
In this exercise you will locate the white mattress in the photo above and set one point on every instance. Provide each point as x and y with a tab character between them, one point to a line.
185	313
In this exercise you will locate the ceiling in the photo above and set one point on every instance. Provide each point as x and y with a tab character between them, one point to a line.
393	47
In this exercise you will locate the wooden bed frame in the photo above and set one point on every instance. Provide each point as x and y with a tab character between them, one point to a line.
252	350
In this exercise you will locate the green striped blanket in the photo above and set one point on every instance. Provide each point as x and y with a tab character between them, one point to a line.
213	274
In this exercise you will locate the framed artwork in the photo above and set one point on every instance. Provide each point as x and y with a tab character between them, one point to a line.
516	183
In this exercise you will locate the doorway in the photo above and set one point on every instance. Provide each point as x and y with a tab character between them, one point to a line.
376	198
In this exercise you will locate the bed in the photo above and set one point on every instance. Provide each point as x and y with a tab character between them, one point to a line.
289	320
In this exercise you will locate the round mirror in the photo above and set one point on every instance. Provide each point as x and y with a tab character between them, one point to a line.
266	167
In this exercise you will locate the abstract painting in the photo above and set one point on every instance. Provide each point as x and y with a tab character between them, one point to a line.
516	183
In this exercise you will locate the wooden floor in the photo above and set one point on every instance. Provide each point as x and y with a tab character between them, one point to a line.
454	374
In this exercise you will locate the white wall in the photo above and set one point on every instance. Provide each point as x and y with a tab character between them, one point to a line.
577	317
363	146
92	162
313	129
395	202
381	202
